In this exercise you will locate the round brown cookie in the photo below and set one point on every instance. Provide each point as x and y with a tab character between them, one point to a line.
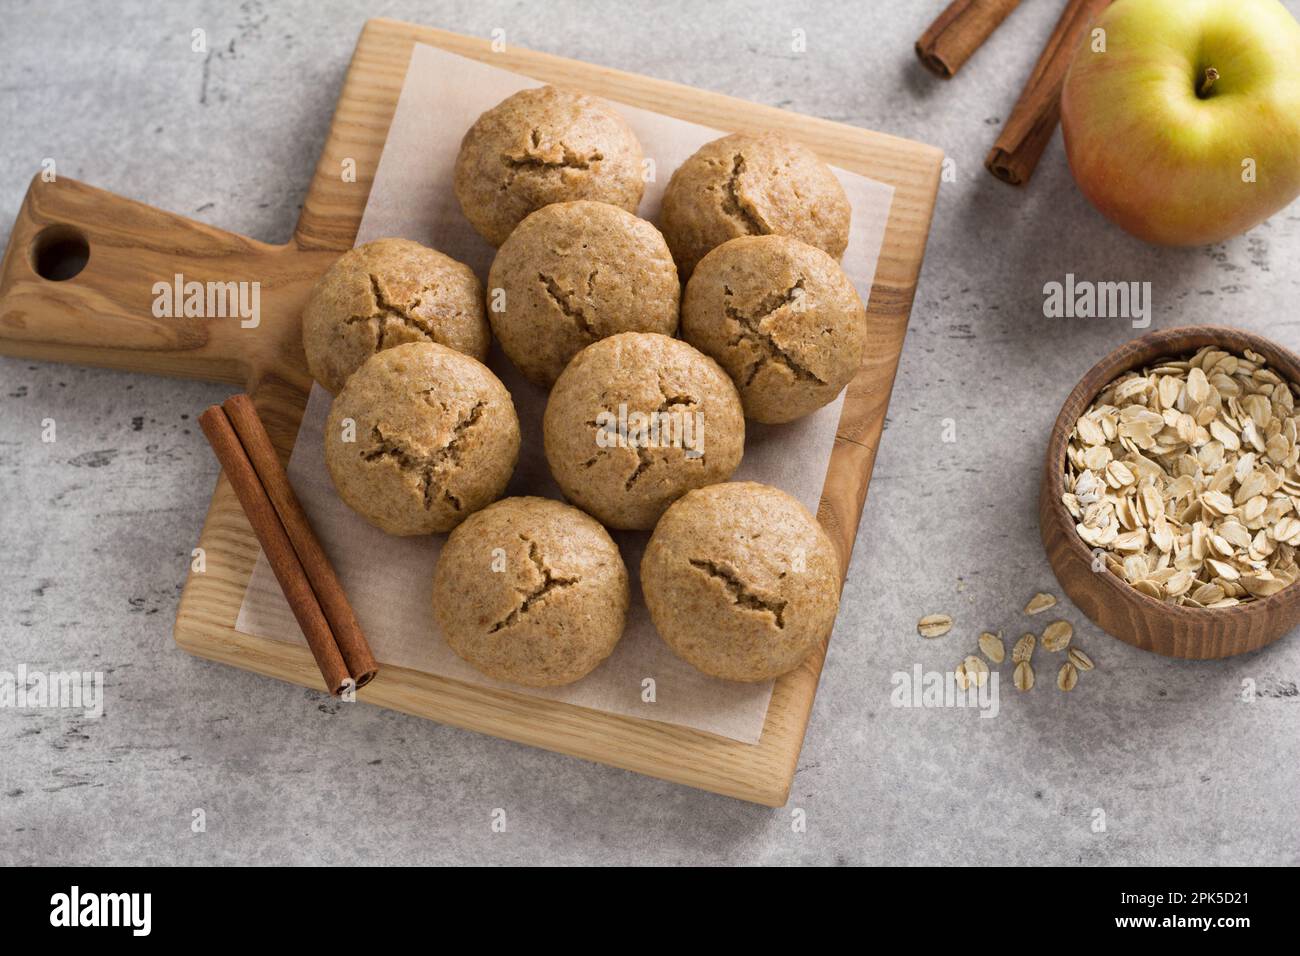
421	437
637	420
385	293
782	318
573	273
743	185
541	146
741	581
531	590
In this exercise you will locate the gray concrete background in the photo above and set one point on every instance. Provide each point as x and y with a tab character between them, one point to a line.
96	529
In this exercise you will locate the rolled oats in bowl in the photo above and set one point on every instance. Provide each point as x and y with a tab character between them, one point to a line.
1183	476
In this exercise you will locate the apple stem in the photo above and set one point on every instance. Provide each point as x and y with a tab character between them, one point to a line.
1207	81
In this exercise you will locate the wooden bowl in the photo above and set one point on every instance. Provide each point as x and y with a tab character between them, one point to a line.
1113	604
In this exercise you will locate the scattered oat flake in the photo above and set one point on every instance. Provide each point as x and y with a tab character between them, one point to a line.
1024	676
1040	602
1024	649
934	625
1080	660
976	670
1067	677
992	647
962	677
1056	636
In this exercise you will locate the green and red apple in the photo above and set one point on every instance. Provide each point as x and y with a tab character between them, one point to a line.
1182	117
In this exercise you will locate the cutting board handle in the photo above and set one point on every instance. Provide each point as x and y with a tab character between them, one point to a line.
96	279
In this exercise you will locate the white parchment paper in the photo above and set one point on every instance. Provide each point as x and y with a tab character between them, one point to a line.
389	579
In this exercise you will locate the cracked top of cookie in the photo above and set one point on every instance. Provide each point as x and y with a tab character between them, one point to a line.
385	293
741	581
541	146
635	421
782	318
576	272
420	438
531	590
743	185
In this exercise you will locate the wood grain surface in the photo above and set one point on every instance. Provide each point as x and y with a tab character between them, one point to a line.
1114	605
103	317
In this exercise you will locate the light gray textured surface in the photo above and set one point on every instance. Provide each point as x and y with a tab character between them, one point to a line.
96	528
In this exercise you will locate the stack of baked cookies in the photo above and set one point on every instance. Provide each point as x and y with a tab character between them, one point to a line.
642	429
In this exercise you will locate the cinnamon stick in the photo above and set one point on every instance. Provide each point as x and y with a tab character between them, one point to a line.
329	592
959	31
275	542
1030	126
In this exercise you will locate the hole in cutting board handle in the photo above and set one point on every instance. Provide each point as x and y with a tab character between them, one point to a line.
59	252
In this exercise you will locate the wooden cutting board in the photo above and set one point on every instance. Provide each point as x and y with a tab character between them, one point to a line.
103	316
